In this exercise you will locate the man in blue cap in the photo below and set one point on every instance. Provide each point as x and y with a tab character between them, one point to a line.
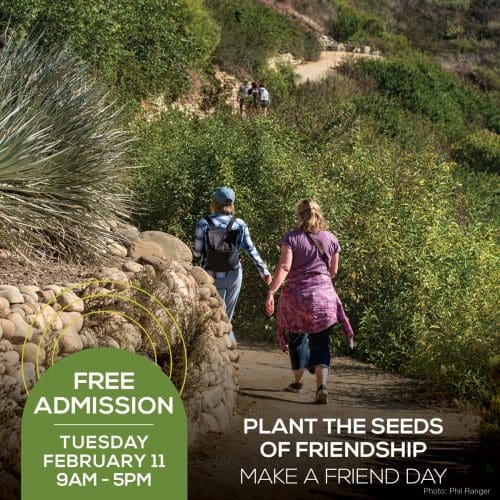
218	241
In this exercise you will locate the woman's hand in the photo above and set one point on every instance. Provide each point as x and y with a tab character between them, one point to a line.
282	343
270	304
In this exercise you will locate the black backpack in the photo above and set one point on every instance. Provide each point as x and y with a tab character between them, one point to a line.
222	252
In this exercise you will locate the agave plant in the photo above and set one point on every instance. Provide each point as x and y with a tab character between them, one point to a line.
63	161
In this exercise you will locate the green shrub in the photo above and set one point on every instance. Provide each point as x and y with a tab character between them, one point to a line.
456	311
424	87
480	151
187	158
316	116
63	168
353	26
310	49
387	116
417	284
251	33
282	81
140	48
392	44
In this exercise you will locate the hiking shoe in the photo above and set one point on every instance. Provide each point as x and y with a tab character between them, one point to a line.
294	387
321	395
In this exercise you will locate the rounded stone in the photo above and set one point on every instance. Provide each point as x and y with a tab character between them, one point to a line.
71	302
117	249
51	317
201	276
29	373
55	288
30	352
30	297
169	245
7	327
109	342
216	315
11	357
21	329
8	380
112	277
212	289
127	233
13	296
5	345
140	248
221	414
72	319
132	266
212	397
48	296
71	341
9	287
208	423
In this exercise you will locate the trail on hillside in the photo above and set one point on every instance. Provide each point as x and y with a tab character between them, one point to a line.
327	62
357	390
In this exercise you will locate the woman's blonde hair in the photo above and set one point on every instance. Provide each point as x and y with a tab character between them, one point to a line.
222	209
309	217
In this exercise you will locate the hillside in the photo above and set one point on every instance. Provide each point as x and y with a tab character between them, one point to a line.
462	35
401	151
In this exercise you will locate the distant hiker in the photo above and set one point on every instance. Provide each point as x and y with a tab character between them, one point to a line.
309	305
219	238
264	97
243	97
254	94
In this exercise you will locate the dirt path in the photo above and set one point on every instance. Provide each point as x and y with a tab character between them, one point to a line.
357	390
316	70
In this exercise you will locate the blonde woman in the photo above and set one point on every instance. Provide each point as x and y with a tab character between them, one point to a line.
309	305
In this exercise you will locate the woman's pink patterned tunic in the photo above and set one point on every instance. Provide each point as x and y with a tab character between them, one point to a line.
308	302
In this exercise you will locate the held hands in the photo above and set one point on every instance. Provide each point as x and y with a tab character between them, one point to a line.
268	279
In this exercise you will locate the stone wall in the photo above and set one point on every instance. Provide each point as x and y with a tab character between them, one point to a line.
53	320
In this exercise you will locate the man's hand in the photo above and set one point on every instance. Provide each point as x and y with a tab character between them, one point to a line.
268	279
270	304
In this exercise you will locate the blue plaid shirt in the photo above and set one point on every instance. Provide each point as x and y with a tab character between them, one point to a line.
244	241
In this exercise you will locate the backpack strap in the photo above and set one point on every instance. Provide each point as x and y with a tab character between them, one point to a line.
317	243
230	223
210	221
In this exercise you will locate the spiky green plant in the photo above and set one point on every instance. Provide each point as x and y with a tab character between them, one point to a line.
63	168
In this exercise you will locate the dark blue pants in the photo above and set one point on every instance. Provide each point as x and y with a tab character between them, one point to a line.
308	350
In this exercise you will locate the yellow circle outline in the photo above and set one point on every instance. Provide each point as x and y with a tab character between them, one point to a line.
104	311
127	286
100	295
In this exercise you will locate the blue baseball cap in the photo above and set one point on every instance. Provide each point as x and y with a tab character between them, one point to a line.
224	195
